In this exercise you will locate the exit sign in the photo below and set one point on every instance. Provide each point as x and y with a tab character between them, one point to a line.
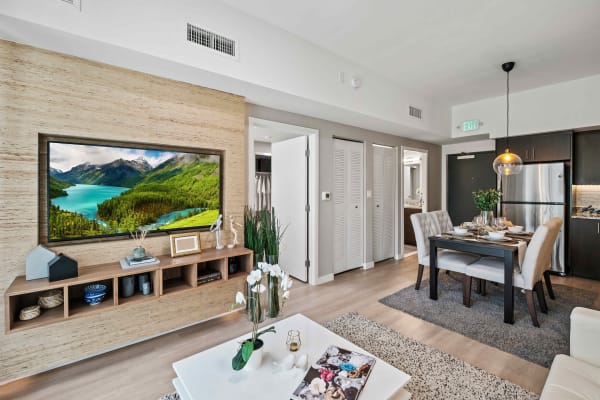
470	125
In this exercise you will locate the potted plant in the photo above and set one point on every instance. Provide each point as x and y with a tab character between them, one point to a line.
486	201
249	354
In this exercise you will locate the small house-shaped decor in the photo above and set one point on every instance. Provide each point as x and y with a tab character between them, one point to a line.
36	263
62	267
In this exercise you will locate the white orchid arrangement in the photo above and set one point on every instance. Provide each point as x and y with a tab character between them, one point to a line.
254	280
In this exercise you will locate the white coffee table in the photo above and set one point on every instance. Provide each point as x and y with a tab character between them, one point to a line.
208	374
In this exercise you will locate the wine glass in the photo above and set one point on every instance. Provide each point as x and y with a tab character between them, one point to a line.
478	220
500	222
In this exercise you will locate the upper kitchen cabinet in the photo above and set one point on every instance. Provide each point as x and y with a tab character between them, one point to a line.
539	148
586	158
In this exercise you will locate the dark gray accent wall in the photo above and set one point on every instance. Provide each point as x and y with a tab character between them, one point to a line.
327	131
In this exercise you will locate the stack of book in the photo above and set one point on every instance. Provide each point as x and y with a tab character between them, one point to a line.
208	275
137	262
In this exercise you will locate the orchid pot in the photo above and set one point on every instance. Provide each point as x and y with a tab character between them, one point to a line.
257	355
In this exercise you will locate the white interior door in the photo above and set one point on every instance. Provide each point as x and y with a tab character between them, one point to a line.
289	188
348	205
384	187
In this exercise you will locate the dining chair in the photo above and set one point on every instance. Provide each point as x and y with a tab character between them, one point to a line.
434	223
529	276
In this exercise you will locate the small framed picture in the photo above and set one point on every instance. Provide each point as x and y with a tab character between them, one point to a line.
185	243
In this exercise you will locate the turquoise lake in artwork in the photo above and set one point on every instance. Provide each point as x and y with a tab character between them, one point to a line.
84	199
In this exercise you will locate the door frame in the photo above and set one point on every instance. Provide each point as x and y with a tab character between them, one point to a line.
424	189
313	182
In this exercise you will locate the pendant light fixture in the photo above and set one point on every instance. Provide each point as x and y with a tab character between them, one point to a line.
507	163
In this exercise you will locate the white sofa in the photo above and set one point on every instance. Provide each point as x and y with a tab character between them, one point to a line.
577	376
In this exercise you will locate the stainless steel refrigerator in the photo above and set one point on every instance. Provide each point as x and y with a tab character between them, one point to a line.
533	197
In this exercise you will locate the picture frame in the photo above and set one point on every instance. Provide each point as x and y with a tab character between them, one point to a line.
183	244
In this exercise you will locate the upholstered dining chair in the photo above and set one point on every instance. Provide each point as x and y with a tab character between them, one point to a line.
434	223
529	276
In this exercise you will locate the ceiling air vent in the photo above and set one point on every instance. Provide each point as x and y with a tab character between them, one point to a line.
211	40
75	3
414	112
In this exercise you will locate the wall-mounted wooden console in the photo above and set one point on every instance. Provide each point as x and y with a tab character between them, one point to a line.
171	276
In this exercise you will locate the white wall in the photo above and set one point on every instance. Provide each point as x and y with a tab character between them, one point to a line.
457	148
262	147
566	105
269	58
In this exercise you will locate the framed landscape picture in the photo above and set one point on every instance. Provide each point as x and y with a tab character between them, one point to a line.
96	189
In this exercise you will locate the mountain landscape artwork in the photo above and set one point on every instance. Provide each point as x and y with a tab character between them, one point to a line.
97	190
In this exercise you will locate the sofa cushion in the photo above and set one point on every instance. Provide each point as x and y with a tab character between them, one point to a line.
572	379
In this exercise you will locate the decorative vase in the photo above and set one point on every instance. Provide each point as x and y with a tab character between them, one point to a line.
139	252
256	357
253	306
487	217
273	290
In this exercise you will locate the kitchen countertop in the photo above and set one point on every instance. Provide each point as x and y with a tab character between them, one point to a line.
585	216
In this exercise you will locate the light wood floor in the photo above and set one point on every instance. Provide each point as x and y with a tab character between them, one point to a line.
143	371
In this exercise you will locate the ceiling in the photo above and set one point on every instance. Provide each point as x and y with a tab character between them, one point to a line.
450	51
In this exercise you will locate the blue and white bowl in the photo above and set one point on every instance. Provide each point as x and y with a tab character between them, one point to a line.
94	294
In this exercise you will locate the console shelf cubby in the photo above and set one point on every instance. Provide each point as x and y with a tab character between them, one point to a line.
171	277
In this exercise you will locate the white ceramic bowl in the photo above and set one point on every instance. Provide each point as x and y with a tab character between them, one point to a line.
496	234
460	231
515	229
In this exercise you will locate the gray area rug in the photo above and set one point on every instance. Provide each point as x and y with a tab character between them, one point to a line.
484	320
434	374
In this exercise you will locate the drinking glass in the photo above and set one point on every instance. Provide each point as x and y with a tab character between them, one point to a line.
293	340
501	222
478	220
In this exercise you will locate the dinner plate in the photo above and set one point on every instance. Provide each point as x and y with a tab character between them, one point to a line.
460	234
522	233
502	239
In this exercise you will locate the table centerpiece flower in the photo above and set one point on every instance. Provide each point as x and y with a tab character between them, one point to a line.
251	349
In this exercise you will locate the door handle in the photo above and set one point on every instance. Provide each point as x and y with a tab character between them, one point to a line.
355	206
598	226
377	206
533	153
527	154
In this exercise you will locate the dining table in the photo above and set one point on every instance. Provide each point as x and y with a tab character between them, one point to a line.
507	250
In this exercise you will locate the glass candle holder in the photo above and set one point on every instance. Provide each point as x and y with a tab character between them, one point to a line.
293	340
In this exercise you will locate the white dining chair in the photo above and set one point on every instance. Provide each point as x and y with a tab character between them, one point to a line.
529	276
434	223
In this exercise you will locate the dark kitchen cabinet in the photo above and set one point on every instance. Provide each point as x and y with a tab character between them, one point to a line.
586	158
585	247
544	147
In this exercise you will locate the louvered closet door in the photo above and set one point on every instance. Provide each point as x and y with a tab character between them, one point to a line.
348	205
384	187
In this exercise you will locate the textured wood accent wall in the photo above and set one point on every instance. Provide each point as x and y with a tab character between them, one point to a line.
46	92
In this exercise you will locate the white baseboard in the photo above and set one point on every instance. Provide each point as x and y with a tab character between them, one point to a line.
324	279
368	265
398	257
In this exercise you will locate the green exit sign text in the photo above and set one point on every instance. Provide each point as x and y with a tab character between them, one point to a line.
470	125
